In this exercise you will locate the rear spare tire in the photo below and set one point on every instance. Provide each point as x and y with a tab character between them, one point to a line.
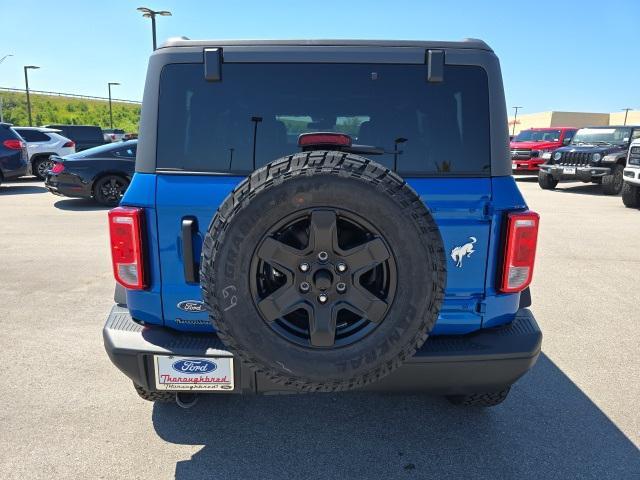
323	271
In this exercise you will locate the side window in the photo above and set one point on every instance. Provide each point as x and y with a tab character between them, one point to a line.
568	136
33	136
127	153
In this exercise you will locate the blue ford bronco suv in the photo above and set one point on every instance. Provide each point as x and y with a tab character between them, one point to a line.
323	216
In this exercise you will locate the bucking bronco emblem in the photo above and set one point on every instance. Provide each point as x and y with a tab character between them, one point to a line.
458	253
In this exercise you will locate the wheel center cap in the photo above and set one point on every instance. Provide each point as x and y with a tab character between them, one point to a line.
323	279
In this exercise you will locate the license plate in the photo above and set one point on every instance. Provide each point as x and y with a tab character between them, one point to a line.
569	170
193	373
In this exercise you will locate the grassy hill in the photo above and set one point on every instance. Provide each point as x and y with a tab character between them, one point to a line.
46	109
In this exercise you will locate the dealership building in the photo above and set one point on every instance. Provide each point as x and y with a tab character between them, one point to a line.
571	119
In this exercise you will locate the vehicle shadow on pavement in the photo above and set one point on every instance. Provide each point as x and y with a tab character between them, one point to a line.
582	188
547	428
16	188
527	179
79	205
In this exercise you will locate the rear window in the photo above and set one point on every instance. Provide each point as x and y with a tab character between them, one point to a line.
428	128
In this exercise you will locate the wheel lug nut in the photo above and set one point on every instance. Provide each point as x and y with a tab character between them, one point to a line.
323	297
323	256
341	267
305	287
304	267
341	287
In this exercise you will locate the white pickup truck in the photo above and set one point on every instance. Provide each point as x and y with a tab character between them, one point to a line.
631	177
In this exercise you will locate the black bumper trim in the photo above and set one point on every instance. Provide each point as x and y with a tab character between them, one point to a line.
487	360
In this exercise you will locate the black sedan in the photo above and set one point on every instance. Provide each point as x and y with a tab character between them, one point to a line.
102	173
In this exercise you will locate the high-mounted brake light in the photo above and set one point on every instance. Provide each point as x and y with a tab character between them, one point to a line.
324	139
14	144
520	251
58	167
127	254
70	143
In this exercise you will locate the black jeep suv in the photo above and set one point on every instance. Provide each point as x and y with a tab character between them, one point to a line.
596	155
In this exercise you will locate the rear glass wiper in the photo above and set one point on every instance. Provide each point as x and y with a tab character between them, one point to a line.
365	149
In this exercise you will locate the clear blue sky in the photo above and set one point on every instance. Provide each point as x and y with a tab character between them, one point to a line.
556	55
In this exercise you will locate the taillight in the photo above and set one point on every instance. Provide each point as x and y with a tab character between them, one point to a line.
520	251
69	144
14	144
113	137
127	255
58	167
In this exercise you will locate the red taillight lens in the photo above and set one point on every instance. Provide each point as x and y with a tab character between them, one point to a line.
57	167
520	251
320	139
14	144
127	256
69	144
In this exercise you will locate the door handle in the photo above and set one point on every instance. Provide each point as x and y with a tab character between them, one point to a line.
191	268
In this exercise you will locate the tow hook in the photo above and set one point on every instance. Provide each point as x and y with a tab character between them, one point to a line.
186	399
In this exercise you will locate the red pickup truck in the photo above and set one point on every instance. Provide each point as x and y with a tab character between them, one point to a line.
532	147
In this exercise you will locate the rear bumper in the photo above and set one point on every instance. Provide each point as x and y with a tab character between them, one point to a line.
67	186
10	173
483	361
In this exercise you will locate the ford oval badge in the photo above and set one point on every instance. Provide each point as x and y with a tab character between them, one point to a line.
194	367
192	306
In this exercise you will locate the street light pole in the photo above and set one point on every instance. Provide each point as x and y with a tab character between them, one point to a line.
110	111
148	13
1	112
26	83
515	120
626	112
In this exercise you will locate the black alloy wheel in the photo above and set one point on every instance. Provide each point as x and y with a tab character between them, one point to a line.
323	278
110	190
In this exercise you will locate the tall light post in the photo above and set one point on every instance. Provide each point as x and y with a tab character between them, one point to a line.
1	112
626	113
110	111
26	83
515	120
148	13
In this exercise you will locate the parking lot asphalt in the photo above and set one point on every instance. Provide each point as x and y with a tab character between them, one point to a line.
66	412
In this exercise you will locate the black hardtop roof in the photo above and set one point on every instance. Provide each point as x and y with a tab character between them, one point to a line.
468	43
